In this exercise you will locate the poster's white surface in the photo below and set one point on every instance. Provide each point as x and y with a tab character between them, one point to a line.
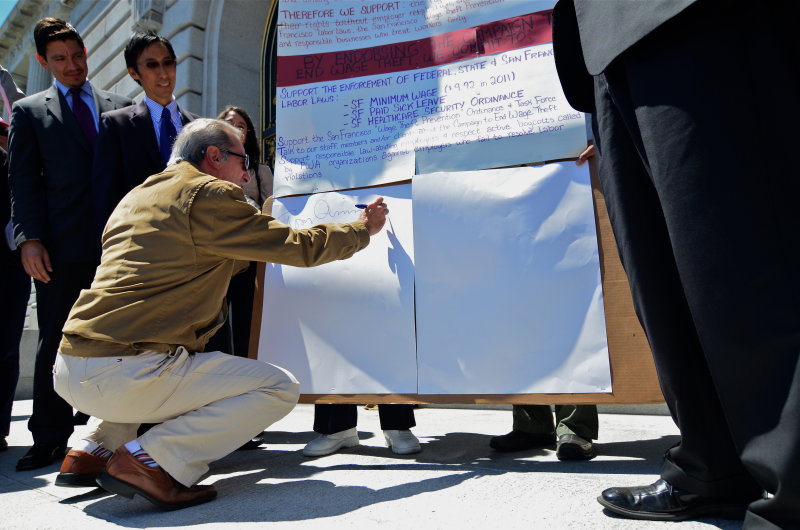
348	326
508	292
306	27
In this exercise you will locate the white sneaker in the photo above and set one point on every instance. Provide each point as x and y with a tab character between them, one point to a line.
402	442
330	443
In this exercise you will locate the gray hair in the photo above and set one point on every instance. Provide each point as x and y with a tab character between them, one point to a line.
197	136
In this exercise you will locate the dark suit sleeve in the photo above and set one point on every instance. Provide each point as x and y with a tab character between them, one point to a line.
577	82
28	199
5	198
107	173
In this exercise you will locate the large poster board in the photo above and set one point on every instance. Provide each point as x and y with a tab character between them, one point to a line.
444	86
633	373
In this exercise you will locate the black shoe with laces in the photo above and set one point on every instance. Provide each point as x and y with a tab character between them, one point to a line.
520	441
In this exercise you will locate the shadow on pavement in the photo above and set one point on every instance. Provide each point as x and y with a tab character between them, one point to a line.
275	485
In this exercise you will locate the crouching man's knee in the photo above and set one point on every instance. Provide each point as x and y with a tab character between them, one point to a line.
283	391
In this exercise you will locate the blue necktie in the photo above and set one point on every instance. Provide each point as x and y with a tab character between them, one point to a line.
84	116
167	135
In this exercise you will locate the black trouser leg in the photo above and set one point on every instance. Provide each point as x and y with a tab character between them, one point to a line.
51	422
396	417
704	211
330	419
15	289
240	309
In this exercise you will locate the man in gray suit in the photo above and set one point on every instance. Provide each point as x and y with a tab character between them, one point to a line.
51	149
695	113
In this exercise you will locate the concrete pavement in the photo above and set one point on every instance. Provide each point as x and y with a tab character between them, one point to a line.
457	481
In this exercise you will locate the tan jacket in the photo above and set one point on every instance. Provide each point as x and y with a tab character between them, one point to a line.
169	251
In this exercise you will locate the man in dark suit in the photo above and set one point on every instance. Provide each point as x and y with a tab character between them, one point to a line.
135	142
15	285
51	149
694	117
15	289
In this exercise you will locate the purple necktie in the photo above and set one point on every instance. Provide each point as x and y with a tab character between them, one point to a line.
84	116
167	134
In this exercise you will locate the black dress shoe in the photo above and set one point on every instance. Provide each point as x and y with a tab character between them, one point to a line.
520	441
144	427
254	443
661	501
80	418
41	455
573	447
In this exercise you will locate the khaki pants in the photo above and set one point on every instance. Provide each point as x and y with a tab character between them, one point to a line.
208	404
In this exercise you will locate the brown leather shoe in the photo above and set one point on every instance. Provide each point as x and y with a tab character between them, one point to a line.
126	476
80	470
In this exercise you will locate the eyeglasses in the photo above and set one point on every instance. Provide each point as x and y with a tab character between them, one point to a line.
154	65
244	157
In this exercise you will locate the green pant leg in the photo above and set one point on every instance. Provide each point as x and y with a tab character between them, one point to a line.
534	419
577	419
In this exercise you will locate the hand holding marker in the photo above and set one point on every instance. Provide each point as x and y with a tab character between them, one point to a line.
374	215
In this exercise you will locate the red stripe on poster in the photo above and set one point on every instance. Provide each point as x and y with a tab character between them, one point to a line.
494	37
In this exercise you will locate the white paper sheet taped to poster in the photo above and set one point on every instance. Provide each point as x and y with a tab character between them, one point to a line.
348	326
508	293
378	114
507	297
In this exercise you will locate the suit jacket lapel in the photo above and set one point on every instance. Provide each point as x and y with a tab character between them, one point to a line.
143	122
185	116
102	101
53	103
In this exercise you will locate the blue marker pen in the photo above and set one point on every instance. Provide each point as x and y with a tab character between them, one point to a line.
362	206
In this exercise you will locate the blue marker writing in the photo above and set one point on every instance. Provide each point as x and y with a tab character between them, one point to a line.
362	206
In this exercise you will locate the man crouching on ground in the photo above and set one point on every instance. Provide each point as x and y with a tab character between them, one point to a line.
130	349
